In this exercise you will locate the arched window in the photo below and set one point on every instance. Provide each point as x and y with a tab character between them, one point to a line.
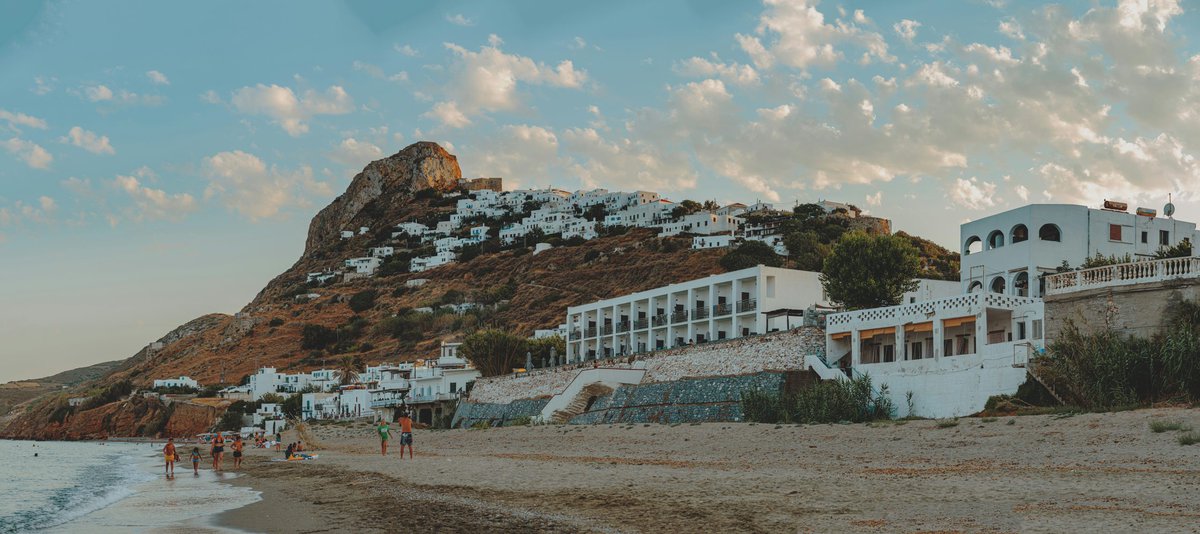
1049	232
995	239
1021	284
1019	233
998	284
974	244
975	287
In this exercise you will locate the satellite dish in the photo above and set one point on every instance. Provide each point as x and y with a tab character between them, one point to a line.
1169	209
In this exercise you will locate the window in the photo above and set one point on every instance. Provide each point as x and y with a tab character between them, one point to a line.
995	239
1020	233
1037	329
1144	236
948	347
1020	330
889	353
1049	232
1164	238
973	245
1114	232
964	345
915	354
998	284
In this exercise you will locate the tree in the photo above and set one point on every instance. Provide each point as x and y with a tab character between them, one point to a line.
347	369
870	271
540	348
315	336
231	421
494	352
686	207
363	300
806	250
293	406
271	398
748	255
808	212
1182	249
710	205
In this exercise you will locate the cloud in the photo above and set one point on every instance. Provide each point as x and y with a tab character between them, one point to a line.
150	203
96	144
355	153
157	78
405	50
210	97
15	120
459	20
246	185
488	81
628	163
730	72
31	153
43	85
97	93
794	33
525	155
906	29
1022	192
973	194
289	111
876	199
376	72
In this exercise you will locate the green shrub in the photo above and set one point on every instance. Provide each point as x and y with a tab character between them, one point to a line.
524	420
275	322
230	421
1189	438
947	423
828	401
1159	427
363	300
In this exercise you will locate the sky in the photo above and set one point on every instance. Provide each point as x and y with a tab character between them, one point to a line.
160	161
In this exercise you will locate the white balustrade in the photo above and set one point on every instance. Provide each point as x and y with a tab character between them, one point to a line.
1122	274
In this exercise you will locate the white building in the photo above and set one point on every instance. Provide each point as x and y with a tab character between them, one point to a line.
1008	253
410	228
951	353
721	306
365	265
425	263
560	331
382	252
321	277
181	382
347	234
712	241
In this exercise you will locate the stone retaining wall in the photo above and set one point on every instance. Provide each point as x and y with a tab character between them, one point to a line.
681	401
470	413
782	351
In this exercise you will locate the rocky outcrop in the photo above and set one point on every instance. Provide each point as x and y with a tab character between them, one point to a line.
393	179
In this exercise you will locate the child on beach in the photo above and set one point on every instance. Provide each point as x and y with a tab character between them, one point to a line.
385	433
237	451
196	461
406	437
169	457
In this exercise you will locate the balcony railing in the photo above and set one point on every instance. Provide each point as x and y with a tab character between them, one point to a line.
722	309
606	330
641	324
623	326
590	332
700	313
747	305
679	317
660	320
576	334
1122	274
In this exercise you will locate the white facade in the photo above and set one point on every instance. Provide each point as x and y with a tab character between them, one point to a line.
364	265
1008	253
181	382
382	252
423	264
321	277
951	353
712	241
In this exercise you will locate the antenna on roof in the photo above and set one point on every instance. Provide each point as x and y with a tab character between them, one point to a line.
1169	209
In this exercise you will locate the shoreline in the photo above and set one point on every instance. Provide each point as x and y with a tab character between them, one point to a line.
1066	472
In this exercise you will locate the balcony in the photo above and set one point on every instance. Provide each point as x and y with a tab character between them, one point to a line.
388	399
661	320
606	330
590	332
700	313
641	324
679	317
1122	274
747	305
623	326
575	334
722	309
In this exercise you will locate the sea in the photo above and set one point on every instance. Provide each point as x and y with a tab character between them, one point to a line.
103	487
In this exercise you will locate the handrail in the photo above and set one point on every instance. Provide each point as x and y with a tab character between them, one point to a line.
1122	274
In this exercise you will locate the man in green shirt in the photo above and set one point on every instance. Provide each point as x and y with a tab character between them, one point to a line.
384	433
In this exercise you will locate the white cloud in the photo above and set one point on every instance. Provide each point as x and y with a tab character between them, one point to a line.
246	185
1022	192
523	154
973	194
31	153
157	78
15	120
210	97
150	203
47	204
797	35
97	93
876	199
730	72
87	140
43	85
458	19
355	153
405	50
377	72
288	110
906	29
487	81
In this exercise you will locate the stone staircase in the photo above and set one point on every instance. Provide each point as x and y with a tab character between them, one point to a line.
580	403
1031	368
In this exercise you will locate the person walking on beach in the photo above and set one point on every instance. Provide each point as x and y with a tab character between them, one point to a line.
385	433
406	435
237	451
196	461
278	440
218	449
169	457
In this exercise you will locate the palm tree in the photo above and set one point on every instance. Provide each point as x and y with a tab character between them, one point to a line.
347	369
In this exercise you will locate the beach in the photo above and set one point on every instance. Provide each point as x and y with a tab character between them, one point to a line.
1047	473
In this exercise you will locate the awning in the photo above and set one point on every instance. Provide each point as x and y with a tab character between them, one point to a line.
951	323
839	335
876	331
918	327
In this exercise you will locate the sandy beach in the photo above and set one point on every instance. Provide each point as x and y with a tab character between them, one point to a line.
1050	473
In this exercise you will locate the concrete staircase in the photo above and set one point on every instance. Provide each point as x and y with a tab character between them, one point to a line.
588	383
1031	367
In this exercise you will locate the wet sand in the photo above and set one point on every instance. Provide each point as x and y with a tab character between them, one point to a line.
1099	472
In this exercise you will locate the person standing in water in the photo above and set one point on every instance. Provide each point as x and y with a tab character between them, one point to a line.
169	457
196	461
218	449
406	437
237	451
385	433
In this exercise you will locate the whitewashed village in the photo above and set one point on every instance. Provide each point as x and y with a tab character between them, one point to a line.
942	351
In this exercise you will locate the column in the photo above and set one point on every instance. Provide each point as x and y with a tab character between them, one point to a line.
708	305
855	348
938	333
735	298
901	344
687	308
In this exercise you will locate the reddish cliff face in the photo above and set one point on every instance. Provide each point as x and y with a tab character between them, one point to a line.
134	417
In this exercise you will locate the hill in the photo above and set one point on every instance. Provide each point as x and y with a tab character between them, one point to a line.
296	325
